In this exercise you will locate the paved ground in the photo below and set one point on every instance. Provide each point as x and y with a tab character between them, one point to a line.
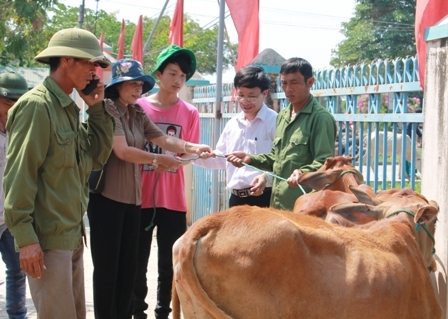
150	299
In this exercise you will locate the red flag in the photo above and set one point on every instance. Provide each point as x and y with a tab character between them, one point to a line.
137	42
177	25
428	13
247	24
121	42
98	69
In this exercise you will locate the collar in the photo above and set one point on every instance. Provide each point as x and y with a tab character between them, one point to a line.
308	108
64	99
125	109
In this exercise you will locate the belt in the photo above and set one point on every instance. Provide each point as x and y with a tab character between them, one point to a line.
241	192
245	192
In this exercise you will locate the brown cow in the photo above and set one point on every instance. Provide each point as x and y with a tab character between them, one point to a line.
333	182
337	173
251	262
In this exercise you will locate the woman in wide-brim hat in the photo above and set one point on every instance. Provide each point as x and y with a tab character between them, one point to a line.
114	214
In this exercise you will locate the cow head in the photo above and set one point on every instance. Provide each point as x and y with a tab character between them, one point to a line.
419	211
337	173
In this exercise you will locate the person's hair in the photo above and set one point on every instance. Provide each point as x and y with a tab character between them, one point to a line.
112	92
171	128
251	77
54	63
297	65
182	60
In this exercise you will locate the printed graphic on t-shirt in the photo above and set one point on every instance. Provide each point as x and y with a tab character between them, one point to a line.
169	129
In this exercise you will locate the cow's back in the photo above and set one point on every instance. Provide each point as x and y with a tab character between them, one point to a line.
262	263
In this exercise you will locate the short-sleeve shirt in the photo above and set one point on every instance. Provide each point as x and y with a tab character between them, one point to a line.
123	180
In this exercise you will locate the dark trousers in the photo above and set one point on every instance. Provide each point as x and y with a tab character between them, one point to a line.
263	200
114	245
170	226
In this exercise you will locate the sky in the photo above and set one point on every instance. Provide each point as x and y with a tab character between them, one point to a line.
293	28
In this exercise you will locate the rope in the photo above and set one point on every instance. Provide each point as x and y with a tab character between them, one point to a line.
265	172
417	226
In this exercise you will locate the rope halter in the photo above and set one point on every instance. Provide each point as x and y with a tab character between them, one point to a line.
419	225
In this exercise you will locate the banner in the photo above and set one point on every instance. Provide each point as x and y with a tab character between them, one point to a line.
121	42
137	41
98	69
428	13
245	16
177	25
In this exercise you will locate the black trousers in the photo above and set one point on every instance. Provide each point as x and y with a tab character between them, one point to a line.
263	200
114	245
170	226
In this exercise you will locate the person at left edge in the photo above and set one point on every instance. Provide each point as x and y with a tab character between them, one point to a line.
50	156
12	87
114	215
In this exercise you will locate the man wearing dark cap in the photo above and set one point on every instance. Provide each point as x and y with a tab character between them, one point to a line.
50	156
12	87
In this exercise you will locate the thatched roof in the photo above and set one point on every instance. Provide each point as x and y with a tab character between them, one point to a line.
269	60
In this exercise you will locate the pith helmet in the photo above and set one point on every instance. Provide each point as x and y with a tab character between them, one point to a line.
77	43
12	85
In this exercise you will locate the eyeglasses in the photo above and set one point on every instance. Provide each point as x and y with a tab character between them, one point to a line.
248	99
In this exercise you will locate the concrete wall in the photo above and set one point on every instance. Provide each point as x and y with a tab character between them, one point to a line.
435	148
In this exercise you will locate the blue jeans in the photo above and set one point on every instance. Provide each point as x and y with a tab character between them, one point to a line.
15	277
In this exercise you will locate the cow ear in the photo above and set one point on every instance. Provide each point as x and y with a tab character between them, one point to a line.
363	197
349	208
356	212
434	203
425	214
318	180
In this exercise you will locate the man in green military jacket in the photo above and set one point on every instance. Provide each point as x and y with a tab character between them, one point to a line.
304	137
49	159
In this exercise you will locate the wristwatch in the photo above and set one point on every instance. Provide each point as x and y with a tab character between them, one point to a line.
154	159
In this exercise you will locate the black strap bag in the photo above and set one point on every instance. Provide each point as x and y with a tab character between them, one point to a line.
97	180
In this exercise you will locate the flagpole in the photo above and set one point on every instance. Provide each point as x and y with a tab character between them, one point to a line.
155	27
217	108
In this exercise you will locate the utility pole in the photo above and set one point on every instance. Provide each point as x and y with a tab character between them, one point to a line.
81	15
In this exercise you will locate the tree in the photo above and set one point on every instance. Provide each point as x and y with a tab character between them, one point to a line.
380	29
24	41
21	21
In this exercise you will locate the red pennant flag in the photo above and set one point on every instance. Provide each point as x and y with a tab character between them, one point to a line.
98	69
121	42
428	13
247	24
177	25
137	42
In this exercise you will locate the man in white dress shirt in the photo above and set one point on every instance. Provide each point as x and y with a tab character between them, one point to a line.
252	130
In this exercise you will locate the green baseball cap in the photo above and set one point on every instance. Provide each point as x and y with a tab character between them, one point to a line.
74	42
174	50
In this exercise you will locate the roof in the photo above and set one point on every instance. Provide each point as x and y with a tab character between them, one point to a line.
269	60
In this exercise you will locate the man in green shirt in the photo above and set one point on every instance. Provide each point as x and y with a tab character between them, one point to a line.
50	156
304	137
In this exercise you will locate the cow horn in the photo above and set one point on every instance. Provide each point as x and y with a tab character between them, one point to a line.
318	180
363	197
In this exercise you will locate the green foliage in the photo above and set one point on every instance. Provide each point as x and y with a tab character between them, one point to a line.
27	27
379	29
21	22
